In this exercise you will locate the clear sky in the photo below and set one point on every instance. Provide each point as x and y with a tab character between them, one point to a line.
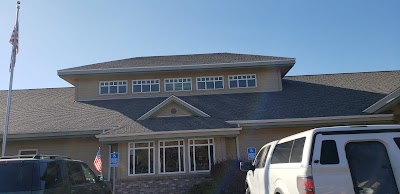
325	36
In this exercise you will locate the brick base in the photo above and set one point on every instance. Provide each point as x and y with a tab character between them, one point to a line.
170	184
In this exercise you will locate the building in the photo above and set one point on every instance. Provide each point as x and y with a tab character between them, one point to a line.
171	117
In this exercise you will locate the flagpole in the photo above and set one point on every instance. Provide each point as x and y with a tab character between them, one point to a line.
12	64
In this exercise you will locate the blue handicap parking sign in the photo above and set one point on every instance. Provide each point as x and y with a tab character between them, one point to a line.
251	153
114	159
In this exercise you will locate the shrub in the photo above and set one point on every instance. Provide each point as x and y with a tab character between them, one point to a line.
228	177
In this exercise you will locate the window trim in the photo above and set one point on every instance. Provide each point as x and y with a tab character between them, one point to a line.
23	150
165	84
148	148
126	84
229	81
194	155
159	86
178	146
223	82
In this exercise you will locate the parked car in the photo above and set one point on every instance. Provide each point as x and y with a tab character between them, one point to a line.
41	174
345	159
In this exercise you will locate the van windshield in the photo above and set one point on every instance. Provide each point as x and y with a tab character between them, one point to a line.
15	176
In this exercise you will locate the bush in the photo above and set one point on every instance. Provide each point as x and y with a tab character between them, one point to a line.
228	177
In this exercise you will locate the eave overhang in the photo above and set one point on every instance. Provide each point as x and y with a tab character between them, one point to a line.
284	65
55	134
316	121
385	102
112	138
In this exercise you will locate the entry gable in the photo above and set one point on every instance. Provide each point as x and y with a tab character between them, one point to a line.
173	107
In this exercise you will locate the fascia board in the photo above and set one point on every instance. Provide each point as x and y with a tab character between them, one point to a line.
272	63
53	134
313	120
386	101
226	130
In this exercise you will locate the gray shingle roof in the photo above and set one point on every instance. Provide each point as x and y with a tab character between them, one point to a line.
173	60
44	110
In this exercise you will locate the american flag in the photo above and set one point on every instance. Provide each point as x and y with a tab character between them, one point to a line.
14	35
97	161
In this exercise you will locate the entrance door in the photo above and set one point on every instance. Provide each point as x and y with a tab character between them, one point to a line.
370	168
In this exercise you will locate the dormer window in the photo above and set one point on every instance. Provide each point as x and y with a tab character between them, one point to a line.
210	83
242	81
145	86
113	87
178	84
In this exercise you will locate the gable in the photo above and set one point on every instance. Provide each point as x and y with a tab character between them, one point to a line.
173	107
171	110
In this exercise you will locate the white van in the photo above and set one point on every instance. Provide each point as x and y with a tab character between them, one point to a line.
342	160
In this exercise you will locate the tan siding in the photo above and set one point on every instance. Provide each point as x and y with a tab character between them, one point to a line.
230	144
78	149
166	111
259	137
220	149
268	79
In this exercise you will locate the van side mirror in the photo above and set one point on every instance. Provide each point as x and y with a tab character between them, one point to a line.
246	166
100	178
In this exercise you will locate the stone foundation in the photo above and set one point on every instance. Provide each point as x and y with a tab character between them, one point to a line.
170	184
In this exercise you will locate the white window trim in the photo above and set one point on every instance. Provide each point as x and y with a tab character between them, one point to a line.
194	154
223	84
191	84
129	156
23	150
126	81
159	86
229	81
179	146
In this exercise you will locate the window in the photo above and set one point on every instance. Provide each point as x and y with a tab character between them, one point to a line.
16	177
201	152
113	87
50	175
90	176
141	158
242	81
28	152
261	158
145	86
297	150
282	153
397	140
178	84
171	156
329	153
210	83
75	174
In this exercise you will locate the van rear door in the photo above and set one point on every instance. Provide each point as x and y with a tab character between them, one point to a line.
356	163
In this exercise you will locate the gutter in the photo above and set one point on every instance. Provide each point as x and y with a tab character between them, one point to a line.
313	121
289	62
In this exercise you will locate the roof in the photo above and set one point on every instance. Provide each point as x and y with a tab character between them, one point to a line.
179	60
385	102
54	110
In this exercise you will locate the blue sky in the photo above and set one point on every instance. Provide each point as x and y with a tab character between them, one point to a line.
325	36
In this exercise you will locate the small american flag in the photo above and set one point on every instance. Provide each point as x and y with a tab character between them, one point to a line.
97	161
14	35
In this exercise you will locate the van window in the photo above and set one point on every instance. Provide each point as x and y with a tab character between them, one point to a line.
264	157
297	150
50	175
329	153
16	176
397	140
75	174
258	160
282	153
